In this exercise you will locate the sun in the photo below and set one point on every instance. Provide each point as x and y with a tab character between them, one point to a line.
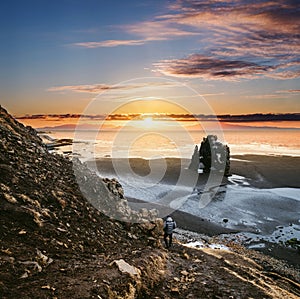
148	122
145	122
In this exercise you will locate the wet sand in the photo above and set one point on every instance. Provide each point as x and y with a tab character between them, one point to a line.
268	171
263	172
260	172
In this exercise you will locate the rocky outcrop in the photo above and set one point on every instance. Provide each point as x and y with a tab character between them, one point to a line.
212	155
107	196
51	237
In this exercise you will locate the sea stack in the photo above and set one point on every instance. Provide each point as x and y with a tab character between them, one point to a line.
212	155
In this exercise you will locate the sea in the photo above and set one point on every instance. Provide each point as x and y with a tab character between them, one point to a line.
149	144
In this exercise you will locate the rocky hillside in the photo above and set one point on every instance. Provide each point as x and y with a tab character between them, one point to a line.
55	244
52	241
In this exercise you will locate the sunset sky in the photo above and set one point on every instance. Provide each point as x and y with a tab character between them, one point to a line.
242	57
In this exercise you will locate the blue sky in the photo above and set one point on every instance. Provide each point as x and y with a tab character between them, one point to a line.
242	56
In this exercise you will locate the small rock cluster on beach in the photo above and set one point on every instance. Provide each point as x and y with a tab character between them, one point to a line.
54	243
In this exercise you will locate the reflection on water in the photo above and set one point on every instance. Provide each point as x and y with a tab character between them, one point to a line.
181	144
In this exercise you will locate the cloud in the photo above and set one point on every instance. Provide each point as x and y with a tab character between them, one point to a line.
55	117
206	67
265	96
98	88
279	94
258	32
244	38
176	117
260	117
148	31
286	74
91	88
289	91
159	29
242	16
212	94
111	43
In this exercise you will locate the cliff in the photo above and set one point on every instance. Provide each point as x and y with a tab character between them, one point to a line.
56	244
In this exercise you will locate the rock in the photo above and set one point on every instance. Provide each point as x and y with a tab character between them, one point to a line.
114	187
6	251
213	155
10	198
194	165
36	266
144	212
175	290
124	267
184	272
25	275
47	287
132	236
43	259
185	255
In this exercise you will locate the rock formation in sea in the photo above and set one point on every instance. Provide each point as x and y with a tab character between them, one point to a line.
212	155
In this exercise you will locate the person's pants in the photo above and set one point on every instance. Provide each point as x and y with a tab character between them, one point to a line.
166	236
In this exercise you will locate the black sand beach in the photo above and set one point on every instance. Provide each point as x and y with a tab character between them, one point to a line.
260	172
268	171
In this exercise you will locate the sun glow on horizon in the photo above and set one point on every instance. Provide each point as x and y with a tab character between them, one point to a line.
148	122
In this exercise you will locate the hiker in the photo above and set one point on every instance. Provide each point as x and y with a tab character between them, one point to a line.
169	226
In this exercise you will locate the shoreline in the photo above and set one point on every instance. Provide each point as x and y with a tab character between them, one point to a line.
268	171
251	174
186	221
260	171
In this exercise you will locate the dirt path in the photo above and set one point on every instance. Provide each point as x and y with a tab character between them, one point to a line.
211	273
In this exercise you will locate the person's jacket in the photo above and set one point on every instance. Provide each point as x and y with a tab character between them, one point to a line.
169	225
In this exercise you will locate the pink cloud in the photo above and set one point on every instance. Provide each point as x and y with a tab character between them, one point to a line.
97	88
111	43
241	37
289	91
206	67
159	29
92	88
260	32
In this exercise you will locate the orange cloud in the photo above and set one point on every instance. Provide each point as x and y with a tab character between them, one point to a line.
169	116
